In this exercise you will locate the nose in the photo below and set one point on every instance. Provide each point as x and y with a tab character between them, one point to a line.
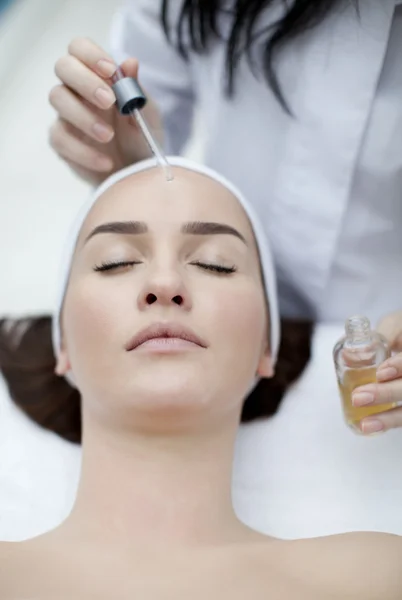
164	288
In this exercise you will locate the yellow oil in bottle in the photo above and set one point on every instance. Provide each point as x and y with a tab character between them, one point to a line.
353	378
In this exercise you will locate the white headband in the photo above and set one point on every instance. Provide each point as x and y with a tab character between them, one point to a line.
267	263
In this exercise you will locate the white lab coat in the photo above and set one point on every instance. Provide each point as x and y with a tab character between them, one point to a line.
327	184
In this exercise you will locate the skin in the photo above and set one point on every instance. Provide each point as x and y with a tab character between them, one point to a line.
153	516
89	133
388	388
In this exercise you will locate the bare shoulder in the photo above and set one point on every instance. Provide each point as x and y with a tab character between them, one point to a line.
8	554
362	565
386	547
16	560
8	568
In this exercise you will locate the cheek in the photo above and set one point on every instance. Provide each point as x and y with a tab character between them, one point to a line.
240	319
94	318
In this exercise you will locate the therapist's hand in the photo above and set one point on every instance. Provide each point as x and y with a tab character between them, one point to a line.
389	377
89	134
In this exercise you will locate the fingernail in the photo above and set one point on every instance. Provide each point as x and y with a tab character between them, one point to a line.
372	426
362	398
102	132
387	373
105	97
106	67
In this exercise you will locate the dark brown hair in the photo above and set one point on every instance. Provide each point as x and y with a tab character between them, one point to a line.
27	362
201	19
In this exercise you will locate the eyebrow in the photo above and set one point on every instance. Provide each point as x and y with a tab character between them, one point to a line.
192	227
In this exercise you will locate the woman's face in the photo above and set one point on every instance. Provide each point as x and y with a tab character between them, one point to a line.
165	259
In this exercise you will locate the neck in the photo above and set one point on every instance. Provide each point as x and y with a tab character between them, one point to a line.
154	490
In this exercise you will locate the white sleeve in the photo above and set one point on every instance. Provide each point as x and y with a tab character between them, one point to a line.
137	32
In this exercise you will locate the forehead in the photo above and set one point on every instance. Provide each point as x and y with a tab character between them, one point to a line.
147	196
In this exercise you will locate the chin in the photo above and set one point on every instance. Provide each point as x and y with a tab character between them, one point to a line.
183	390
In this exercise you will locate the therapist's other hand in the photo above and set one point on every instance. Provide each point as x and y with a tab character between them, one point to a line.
389	377
89	134
391	328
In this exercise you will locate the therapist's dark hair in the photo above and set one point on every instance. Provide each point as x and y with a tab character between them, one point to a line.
201	18
27	363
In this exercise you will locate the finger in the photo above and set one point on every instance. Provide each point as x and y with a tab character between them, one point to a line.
93	56
130	68
378	393
391	328
84	82
86	174
357	356
65	141
390	369
382	422
72	110
396	345
387	328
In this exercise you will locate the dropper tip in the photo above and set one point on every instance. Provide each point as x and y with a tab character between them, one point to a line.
152	143
169	175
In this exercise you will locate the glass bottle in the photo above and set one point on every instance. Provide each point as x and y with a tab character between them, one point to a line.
357	355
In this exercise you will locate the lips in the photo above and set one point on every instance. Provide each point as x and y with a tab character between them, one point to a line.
165	331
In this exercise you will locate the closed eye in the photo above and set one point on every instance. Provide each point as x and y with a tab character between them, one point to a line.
110	265
215	268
